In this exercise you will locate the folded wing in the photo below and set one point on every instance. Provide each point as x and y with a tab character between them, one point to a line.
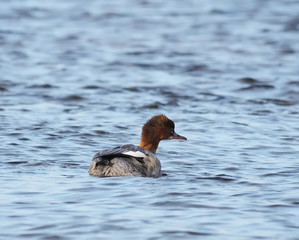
128	150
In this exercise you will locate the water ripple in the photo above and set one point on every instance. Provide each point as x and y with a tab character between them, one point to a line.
78	78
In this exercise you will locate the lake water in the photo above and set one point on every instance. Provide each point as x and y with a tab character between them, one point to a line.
81	76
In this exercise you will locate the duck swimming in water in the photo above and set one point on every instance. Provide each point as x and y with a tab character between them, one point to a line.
131	160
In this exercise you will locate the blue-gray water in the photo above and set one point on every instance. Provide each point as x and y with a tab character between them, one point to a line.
80	76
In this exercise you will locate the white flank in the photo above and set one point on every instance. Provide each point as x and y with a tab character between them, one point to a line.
135	154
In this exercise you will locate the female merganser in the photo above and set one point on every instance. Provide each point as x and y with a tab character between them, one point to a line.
130	160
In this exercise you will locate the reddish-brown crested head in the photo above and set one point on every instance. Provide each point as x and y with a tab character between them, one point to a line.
158	128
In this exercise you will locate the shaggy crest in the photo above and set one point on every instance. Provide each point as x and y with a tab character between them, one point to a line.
154	130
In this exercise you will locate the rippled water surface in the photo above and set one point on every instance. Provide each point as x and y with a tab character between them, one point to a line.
81	76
